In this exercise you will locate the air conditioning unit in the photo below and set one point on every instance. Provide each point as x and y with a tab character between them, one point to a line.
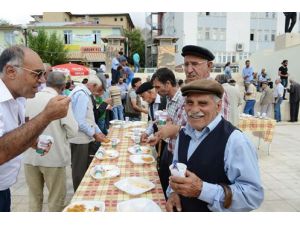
239	47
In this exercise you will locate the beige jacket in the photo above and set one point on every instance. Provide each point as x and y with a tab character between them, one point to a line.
62	129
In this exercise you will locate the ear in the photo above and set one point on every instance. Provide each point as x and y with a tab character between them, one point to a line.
219	106
210	64
11	72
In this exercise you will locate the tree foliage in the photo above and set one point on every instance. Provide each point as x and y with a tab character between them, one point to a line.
49	47
4	22
136	43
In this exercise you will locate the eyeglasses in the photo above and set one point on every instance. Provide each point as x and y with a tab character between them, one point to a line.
38	73
193	64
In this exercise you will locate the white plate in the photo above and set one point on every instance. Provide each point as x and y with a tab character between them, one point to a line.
89	206
137	150
141	159
104	171
138	123
109	143
138	129
116	122
138	205
134	185
107	154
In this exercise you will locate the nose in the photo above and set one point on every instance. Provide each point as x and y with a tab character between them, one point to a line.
42	79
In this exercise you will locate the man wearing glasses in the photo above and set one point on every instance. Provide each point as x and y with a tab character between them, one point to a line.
21	72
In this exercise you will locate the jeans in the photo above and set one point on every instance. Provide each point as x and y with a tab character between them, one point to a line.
136	67
102	126
118	112
5	200
277	113
249	107
284	82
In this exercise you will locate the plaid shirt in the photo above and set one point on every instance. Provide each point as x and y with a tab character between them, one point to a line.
225	106
175	109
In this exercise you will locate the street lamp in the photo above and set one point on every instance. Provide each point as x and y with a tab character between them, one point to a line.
25	33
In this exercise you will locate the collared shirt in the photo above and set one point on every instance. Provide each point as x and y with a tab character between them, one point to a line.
240	166
279	89
115	63
156	103
176	112
80	102
248	72
124	90
12	115
261	78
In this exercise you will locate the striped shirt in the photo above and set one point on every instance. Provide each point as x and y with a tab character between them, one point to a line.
115	93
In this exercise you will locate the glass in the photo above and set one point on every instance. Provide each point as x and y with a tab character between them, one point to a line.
38	73
193	64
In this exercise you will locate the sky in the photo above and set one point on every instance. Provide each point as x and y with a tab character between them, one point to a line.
18	12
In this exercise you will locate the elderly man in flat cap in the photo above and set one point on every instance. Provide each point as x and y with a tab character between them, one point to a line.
222	169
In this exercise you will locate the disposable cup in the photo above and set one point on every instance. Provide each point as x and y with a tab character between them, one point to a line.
180	172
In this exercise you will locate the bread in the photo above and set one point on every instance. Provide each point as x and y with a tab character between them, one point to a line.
147	159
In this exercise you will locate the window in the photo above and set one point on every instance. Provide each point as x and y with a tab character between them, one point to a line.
68	36
96	20
251	37
116	31
273	35
266	36
207	34
214	34
97	35
116	19
219	59
273	15
121	19
222	34
233	58
267	15
224	58
207	13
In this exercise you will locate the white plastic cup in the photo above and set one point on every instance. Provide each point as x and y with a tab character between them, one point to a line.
258	114
264	115
137	139
127	119
44	142
181	169
114	143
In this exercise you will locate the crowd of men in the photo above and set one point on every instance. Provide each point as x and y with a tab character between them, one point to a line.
201	131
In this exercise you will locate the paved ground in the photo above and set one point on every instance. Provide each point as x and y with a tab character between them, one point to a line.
280	173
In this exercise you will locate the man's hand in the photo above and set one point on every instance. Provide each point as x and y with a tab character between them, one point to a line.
57	107
99	137
108	101
173	201
144	138
169	131
189	186
154	140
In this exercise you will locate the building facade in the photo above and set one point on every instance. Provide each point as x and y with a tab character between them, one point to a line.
231	36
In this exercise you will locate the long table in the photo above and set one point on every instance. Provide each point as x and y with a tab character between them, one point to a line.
104	190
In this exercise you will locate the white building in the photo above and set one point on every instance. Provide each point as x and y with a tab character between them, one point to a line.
231	36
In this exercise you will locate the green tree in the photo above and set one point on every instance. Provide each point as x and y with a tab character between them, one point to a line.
136	43
49	47
4	22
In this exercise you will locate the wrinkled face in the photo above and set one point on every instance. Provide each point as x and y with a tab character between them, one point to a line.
147	96
196	68
162	89
27	77
201	109
93	88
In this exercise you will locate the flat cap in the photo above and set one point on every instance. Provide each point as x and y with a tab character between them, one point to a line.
122	58
144	87
197	51
203	86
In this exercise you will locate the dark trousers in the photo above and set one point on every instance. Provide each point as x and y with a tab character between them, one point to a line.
294	110
164	172
115	75
291	16
5	200
79	160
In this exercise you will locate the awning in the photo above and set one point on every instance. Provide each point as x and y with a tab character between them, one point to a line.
87	57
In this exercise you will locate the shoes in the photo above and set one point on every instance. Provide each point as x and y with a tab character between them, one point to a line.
284	99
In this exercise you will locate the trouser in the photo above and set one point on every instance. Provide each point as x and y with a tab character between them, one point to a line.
267	109
5	200
102	125
55	179
277	112
135	118
284	82
294	110
118	112
79	159
164	172
115	75
290	16
249	107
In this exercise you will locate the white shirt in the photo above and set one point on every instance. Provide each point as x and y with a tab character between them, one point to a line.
279	89
12	115
156	104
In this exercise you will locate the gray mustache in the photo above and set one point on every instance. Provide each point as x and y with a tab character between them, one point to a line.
195	115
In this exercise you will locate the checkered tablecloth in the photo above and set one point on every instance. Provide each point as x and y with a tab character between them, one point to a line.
104	190
264	126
